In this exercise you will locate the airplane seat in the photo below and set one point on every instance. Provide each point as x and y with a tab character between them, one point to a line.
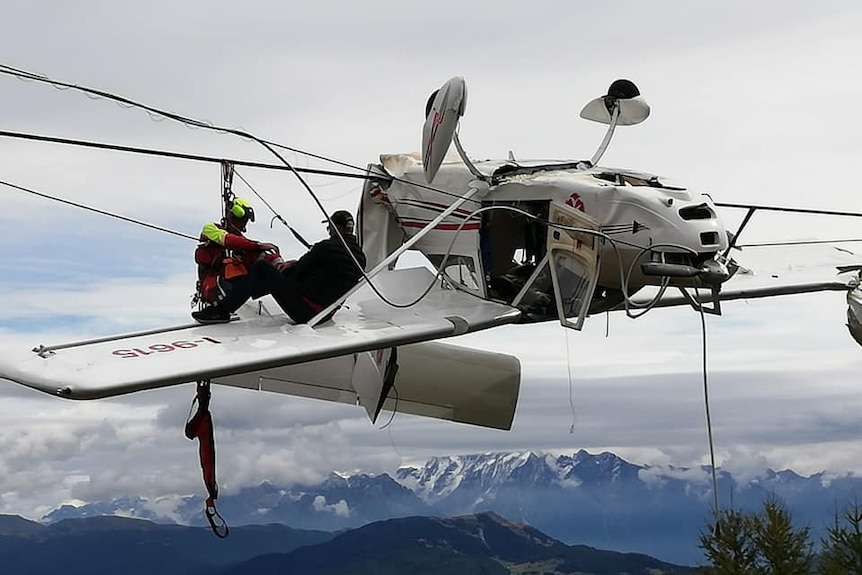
507	285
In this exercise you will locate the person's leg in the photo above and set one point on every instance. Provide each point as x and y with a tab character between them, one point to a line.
234	292
284	289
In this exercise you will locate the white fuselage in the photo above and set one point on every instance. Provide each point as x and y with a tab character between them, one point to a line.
641	215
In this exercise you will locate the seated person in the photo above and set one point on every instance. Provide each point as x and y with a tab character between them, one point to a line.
304	287
217	271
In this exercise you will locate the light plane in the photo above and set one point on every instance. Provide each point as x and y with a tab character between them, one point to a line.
510	241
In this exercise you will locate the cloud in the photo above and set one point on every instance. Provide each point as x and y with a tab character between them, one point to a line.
659	474
732	115
340	509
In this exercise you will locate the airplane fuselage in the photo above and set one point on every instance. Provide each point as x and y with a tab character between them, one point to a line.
652	232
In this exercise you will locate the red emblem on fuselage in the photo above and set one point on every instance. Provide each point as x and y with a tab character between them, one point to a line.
576	202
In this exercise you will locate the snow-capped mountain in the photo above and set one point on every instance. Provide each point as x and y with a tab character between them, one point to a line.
600	500
444	479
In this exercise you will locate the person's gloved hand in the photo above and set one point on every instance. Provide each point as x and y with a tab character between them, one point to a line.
266	247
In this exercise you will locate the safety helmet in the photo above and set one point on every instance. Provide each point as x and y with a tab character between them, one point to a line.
241	209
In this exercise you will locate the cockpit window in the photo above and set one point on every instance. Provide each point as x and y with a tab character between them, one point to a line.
574	286
573	256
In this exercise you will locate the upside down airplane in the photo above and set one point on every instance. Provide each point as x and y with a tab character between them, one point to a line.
512	242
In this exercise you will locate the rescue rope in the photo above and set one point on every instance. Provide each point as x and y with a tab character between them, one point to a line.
200	427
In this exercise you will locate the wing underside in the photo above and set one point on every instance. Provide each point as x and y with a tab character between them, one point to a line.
433	379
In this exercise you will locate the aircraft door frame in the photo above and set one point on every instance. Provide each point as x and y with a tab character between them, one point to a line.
574	263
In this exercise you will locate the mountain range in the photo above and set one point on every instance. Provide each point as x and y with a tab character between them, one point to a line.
598	500
482	543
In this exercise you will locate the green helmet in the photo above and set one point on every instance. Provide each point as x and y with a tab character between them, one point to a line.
241	209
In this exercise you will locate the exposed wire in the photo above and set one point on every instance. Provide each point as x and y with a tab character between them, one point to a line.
98	211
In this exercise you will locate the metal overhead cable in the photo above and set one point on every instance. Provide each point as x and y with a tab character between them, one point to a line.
98	211
276	215
179	155
191	122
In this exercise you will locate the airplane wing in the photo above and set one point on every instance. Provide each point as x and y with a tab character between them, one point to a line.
773	271
432	379
159	358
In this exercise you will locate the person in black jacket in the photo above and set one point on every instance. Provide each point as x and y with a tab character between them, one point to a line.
325	273
308	285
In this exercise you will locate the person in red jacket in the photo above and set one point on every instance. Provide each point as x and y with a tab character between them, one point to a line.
304	287
224	257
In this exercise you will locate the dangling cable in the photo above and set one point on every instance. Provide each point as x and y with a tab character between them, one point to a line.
571	390
394	409
708	417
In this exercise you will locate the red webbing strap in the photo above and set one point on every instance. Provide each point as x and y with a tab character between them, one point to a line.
200	427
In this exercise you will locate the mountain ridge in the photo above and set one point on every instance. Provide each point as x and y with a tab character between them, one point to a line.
484	543
595	499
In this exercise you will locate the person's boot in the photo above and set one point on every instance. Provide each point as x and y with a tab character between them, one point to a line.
211	314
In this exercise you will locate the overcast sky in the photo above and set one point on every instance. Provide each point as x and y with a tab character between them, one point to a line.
751	102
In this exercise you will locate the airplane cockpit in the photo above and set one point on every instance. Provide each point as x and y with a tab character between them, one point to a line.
525	253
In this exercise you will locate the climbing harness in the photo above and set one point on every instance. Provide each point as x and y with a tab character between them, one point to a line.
200	427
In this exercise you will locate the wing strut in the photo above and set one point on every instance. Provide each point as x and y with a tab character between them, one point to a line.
200	427
476	188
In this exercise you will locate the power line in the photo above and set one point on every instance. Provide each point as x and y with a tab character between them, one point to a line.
98	211
177	155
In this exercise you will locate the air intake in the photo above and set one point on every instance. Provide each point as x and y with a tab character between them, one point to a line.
699	212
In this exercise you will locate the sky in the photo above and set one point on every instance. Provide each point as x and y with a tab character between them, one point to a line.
751	102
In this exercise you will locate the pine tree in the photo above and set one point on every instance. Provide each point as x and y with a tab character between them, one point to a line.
781	549
729	544
841	549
